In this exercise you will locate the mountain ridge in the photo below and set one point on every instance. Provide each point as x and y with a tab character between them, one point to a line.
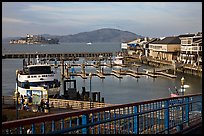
99	35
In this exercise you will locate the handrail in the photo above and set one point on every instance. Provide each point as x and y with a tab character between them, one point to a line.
164	115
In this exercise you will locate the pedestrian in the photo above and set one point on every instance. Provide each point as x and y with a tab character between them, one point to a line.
22	101
42	105
26	107
30	99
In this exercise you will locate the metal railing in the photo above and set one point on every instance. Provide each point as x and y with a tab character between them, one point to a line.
167	115
60	103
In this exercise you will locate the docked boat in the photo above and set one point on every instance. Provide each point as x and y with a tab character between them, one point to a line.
178	92
33	76
118	60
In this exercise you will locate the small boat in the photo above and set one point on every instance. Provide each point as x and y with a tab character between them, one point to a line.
36	75
89	43
118	60
178	92
174	95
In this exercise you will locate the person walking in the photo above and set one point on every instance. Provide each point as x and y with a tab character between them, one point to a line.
42	105
22	102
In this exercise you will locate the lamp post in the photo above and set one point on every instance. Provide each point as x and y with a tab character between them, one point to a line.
182	85
90	75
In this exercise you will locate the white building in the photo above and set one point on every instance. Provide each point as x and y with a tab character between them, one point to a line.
191	49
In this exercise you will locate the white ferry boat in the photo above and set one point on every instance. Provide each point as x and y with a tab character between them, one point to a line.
35	76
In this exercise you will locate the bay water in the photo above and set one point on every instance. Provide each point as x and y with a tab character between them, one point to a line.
114	90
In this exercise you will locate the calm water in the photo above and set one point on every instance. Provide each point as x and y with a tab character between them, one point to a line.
114	90
60	48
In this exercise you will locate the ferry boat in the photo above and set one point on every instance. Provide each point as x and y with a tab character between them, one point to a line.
35	76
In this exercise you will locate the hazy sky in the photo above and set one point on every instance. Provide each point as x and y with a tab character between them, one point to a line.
152	19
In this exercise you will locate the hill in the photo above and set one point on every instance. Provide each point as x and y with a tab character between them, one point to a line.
100	35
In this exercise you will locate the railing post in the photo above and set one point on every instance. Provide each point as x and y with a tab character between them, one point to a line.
166	116
187	111
43	128
85	121
114	116
99	128
33	129
135	120
62	124
53	125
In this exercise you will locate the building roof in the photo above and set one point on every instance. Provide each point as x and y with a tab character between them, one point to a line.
198	41
186	35
153	40
168	40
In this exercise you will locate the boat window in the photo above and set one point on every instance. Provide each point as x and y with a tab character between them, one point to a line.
40	70
25	85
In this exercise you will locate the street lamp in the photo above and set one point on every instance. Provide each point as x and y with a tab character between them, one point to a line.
90	75
182	85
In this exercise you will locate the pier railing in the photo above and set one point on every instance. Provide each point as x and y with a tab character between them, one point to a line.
61	103
73	104
167	115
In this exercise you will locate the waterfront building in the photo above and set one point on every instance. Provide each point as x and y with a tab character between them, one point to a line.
191	49
138	47
167	48
146	46
135	47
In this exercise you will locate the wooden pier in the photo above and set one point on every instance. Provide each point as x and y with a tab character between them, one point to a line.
58	56
118	74
166	74
99	74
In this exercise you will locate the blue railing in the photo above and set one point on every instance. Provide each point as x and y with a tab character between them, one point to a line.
168	115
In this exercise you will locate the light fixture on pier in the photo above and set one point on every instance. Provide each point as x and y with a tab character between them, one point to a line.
90	76
182	85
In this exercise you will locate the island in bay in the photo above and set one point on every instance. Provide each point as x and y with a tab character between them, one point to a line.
35	39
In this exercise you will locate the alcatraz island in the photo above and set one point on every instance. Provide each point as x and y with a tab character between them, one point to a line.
35	39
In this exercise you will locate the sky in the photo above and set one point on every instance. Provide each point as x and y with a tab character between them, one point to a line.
149	19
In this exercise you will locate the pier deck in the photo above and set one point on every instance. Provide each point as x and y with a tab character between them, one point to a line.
166	74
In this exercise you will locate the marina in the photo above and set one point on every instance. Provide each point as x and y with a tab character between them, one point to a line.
97	80
85	68
118	80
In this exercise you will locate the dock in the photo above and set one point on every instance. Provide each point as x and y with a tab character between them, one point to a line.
116	75
166	74
119	74
58	56
158	72
99	74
